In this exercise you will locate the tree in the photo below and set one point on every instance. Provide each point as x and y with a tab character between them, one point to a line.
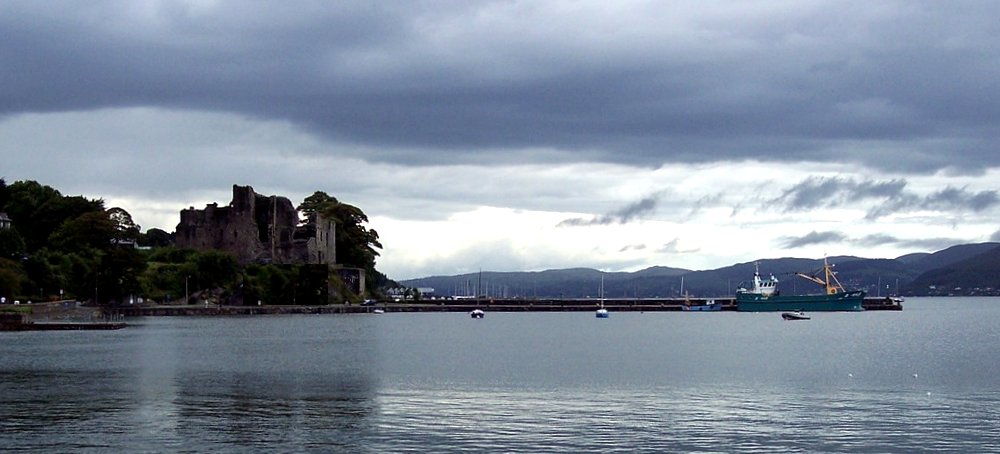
4	194
121	268
12	278
215	268
156	238
126	230
38	211
93	230
11	244
356	244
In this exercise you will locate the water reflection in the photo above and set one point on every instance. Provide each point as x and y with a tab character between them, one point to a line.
511	382
190	384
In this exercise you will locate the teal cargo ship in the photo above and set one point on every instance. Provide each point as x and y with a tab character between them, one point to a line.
763	296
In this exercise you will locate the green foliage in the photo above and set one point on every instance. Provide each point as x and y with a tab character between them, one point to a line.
72	246
125	230
356	244
156	238
120	271
4	194
171	254
93	230
37	211
286	284
12	278
215	269
11	244
171	273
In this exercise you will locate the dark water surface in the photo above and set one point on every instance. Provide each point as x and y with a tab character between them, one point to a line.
925	379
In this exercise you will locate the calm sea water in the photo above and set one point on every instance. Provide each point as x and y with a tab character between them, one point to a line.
925	379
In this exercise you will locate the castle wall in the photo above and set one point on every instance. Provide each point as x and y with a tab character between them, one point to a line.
257	229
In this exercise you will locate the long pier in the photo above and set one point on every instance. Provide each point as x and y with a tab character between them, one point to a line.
466	305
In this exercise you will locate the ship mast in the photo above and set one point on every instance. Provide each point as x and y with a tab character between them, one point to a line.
829	279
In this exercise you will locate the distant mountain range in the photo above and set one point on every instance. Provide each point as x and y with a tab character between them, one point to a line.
970	269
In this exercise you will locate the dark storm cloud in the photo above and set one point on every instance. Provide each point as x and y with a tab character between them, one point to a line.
882	197
908	86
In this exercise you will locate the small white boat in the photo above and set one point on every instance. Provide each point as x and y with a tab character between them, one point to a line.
378	311
601	311
477	313
797	315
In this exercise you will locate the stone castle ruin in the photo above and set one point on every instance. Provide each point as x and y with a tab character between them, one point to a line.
258	229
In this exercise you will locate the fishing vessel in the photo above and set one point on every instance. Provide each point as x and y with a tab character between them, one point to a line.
698	305
762	295
708	305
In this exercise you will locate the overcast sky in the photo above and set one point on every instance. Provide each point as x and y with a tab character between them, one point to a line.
508	135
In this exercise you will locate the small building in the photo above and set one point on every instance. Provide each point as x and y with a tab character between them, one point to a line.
5	221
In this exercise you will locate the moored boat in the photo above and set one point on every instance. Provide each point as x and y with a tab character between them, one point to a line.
797	315
601	311
477	313
709	305
763	295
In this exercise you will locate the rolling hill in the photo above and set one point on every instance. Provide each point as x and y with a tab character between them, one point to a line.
970	269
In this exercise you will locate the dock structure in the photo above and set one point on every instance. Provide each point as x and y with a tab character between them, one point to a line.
19	322
467	305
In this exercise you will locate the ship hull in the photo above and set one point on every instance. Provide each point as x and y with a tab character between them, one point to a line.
841	301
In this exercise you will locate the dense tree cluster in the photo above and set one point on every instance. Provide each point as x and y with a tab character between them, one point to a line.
66	245
74	247
356	244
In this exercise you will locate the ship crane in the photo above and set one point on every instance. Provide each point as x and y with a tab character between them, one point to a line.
829	279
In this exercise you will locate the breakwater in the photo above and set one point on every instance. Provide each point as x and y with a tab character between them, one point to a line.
466	305
20	322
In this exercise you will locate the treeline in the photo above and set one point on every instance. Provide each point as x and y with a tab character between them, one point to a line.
72	247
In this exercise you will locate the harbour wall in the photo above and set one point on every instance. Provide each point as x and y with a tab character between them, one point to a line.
465	305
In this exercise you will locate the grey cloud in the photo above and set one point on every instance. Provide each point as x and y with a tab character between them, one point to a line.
824	192
932	244
812	238
442	82
672	247
950	200
877	240
883	197
621	216
929	244
706	201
